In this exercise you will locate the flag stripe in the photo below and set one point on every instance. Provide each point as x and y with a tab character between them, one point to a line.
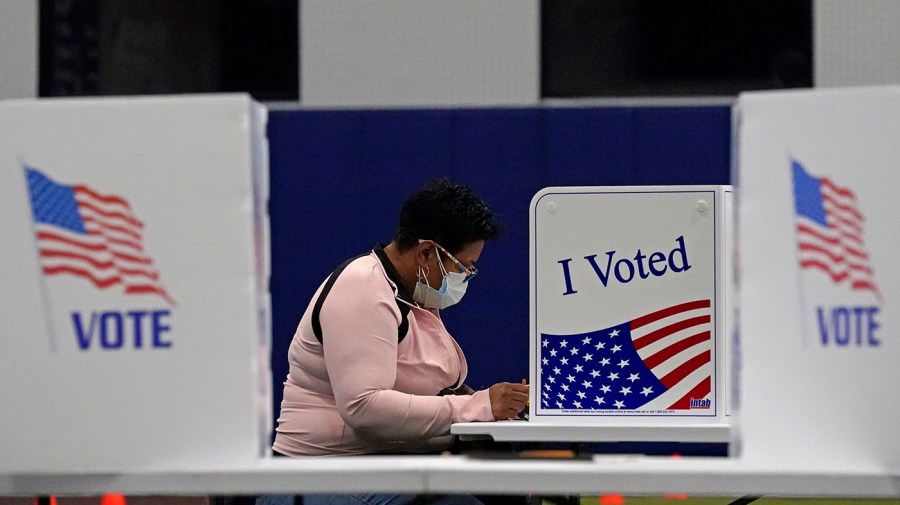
847	229
840	191
656	359
852	251
820	253
107	215
864	286
130	257
838	271
49	236
111	202
849	269
106	226
80	272
699	392
805	229
834	257
837	277
125	243
842	209
670	329
831	235
143	288
48	253
109	199
667	312
140	273
675	376
146	289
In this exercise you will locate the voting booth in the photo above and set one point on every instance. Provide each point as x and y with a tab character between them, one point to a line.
135	321
628	302
628	305
820	285
629	313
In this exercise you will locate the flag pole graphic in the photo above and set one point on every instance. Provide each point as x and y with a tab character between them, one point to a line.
45	291
801	280
801	295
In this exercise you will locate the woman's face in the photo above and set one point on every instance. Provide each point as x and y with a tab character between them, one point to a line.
468	256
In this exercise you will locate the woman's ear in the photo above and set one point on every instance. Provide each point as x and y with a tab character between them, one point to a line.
423	251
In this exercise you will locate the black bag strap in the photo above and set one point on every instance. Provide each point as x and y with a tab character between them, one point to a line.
317	308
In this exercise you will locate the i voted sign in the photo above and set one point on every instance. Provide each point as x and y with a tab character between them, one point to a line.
624	269
627	284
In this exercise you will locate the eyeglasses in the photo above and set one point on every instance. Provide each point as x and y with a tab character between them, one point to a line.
469	271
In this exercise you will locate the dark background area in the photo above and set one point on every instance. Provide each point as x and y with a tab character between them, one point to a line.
685	47
589	48
114	47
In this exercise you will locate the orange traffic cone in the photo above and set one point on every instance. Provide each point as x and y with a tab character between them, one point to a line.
612	499
112	499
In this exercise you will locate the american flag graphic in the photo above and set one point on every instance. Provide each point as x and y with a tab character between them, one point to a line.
94	236
830	231
659	361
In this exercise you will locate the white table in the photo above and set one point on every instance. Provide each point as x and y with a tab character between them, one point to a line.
630	475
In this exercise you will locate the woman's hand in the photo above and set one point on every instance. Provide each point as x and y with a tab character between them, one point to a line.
507	399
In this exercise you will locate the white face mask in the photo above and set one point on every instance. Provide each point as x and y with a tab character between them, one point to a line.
453	287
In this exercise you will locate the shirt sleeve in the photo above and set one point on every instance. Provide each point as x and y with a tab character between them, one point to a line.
359	320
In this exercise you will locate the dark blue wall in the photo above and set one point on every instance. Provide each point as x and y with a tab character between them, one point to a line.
338	179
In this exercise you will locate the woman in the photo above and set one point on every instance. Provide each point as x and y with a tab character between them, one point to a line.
372	368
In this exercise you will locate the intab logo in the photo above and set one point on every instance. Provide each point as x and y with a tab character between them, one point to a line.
831	246
700	403
97	237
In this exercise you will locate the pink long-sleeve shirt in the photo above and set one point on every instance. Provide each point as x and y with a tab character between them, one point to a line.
359	391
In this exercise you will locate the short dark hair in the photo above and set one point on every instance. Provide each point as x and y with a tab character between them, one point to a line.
448	213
